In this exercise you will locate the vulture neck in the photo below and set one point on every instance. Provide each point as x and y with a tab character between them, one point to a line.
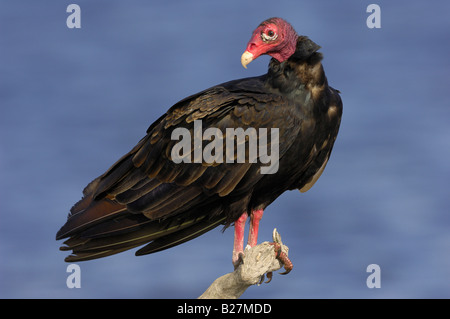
303	70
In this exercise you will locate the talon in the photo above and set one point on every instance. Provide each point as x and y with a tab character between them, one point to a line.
286	262
269	277
283	258
261	280
239	260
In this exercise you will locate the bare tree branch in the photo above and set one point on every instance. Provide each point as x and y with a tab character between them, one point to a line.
257	261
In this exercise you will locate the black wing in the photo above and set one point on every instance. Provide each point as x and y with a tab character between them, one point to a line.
145	197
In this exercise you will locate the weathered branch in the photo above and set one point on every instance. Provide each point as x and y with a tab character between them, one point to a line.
257	261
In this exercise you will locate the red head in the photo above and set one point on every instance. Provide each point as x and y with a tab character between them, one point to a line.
274	37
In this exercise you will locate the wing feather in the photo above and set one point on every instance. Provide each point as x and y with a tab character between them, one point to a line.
145	192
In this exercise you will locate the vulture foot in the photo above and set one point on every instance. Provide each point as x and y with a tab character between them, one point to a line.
283	258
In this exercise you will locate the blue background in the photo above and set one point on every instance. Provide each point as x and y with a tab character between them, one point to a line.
72	101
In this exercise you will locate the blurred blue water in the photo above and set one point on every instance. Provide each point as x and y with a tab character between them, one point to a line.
73	101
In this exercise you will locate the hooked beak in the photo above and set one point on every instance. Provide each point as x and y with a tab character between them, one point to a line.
246	58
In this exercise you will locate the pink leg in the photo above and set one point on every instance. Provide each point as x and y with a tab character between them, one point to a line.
238	248
255	217
281	256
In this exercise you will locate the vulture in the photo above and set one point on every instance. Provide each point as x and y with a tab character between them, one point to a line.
206	161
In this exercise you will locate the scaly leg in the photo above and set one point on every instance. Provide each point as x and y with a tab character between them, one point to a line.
281	256
238	248
255	217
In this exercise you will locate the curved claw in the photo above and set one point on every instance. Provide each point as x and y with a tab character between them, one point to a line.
269	277
281	256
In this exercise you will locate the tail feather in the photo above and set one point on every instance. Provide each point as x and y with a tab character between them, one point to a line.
93	255
87	213
161	234
116	226
181	236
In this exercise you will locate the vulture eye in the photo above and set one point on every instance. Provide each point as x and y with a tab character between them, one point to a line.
269	35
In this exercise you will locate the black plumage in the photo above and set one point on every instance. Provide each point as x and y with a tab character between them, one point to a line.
146	198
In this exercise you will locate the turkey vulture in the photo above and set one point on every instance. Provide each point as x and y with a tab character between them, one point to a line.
149	196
